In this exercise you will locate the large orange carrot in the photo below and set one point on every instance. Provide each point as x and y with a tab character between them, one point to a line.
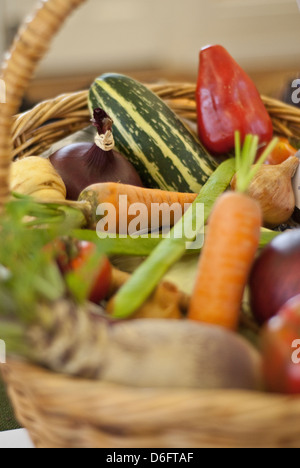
230	245
229	250
154	204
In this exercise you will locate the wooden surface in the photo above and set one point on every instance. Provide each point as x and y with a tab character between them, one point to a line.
269	83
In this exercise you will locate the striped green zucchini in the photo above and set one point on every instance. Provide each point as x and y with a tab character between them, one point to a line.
164	152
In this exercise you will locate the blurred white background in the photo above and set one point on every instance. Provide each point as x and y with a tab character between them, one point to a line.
166	35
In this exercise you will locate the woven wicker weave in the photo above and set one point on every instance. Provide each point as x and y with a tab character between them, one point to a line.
33	133
59	411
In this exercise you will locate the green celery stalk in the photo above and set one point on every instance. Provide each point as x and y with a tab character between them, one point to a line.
137	246
145	279
142	246
266	236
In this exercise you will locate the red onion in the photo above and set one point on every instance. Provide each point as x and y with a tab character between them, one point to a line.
275	277
83	164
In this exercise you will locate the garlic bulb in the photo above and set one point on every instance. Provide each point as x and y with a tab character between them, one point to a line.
272	188
36	177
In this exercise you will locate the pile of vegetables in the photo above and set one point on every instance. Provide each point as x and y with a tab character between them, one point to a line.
66	304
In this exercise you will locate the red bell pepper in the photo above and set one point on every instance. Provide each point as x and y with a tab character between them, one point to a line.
227	101
281	152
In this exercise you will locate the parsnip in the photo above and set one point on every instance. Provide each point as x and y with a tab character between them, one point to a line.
142	352
36	177
163	304
167	301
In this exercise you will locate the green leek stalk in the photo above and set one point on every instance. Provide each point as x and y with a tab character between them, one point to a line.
145	279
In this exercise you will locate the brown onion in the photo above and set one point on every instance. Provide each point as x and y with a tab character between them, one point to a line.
84	164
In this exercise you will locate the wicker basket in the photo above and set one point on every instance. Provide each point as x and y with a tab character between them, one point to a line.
63	412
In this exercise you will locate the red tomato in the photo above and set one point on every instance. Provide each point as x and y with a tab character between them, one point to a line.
58	251
72	256
281	350
102	276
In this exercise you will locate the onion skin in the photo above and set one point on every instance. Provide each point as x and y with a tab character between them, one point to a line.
84	164
275	276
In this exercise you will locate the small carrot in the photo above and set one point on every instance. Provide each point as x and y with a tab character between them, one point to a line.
230	246
150	207
282	151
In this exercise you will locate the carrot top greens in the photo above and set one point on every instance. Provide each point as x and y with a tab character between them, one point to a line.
245	157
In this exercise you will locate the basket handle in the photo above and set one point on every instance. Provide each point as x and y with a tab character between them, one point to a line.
29	47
